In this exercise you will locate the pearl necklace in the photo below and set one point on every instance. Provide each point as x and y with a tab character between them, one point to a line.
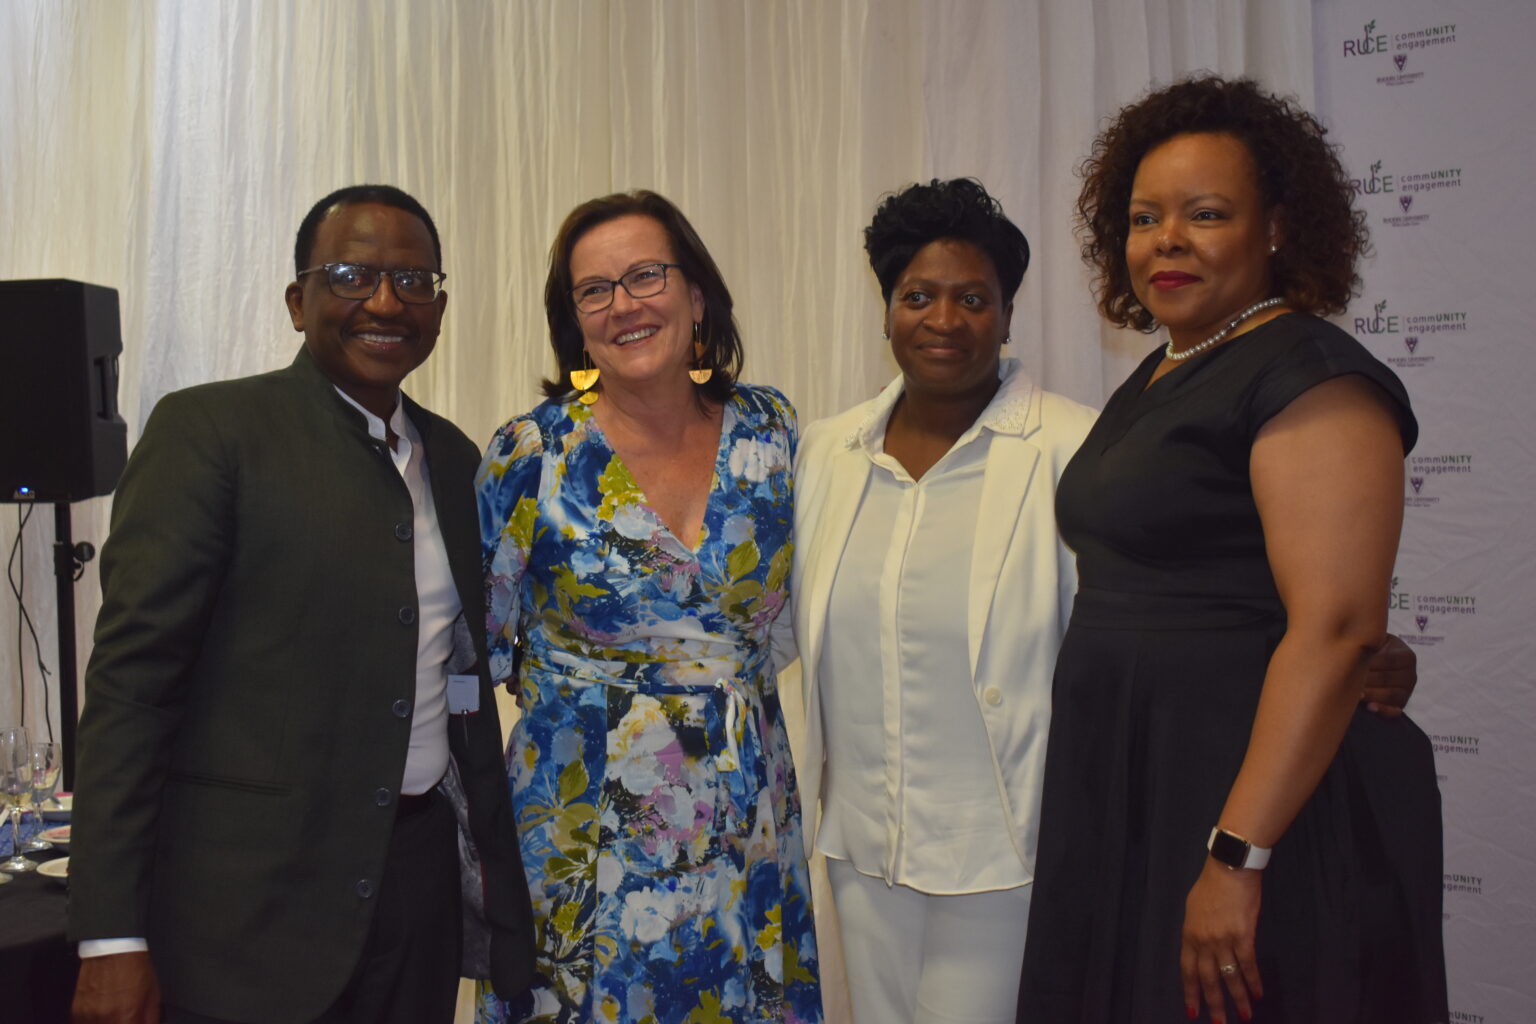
1213	339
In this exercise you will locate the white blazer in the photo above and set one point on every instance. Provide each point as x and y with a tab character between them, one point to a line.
1020	590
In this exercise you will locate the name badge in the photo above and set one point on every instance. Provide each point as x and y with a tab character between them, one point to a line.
463	695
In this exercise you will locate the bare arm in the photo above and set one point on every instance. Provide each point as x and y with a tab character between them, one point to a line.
1327	480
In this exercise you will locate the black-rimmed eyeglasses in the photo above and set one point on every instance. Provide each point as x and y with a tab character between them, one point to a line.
641	283
358	281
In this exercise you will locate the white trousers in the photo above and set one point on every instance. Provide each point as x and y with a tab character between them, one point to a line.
929	959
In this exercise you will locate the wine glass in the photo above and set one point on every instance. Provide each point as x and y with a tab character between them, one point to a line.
45	795
16	782
47	758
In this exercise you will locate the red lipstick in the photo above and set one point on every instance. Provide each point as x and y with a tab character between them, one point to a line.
1167	280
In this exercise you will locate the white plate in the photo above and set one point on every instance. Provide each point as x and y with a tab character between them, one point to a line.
60	813
58	868
57	836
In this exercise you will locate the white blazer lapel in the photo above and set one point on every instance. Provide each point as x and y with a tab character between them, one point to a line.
832	519
1011	465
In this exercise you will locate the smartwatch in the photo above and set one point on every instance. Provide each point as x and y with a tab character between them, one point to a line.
1234	851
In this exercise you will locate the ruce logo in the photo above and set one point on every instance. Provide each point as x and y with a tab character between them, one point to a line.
1380	323
1369	42
1376	183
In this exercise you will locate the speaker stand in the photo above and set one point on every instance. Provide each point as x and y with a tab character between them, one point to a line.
69	559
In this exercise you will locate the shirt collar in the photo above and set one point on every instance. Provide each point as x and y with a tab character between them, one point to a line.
397	420
1007	413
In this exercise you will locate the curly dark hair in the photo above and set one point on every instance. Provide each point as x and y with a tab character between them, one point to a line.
958	209
717	331
1298	170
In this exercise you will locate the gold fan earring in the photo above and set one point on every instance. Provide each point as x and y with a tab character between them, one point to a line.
584	380
700	374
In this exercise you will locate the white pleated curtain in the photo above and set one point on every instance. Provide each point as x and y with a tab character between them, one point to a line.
169	150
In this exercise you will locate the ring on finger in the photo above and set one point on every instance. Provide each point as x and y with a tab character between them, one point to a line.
1228	969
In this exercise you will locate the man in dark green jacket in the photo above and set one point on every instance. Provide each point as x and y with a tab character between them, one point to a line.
289	674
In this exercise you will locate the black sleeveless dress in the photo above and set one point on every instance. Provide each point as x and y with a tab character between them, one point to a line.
1155	692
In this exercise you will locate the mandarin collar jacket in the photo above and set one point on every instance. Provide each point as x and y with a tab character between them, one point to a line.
248	698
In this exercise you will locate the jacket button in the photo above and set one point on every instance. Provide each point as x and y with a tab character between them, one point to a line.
401	708
993	696
402	531
407	615
382	796
364	889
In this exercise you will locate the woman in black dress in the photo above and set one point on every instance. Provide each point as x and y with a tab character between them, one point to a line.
1235	513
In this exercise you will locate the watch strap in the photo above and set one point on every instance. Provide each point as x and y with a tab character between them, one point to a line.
1234	851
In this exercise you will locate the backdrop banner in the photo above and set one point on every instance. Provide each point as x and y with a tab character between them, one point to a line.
1431	102
168	150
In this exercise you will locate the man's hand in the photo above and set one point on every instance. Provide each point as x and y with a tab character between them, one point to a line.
120	988
1390	677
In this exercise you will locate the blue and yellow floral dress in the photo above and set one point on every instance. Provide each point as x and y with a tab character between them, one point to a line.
650	769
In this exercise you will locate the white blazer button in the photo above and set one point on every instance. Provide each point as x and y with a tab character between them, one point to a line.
993	696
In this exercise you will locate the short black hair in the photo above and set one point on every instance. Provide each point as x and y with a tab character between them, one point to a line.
959	209
386	195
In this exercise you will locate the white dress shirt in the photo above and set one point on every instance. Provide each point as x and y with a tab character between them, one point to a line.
908	755
437	605
1018	581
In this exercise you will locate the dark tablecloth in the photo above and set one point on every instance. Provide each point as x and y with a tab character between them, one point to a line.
37	967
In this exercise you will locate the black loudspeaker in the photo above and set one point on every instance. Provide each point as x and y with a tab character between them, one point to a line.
61	438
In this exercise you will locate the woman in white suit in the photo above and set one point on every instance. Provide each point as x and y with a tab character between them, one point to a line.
932	592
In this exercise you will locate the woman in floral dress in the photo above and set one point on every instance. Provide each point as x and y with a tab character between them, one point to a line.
636	531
